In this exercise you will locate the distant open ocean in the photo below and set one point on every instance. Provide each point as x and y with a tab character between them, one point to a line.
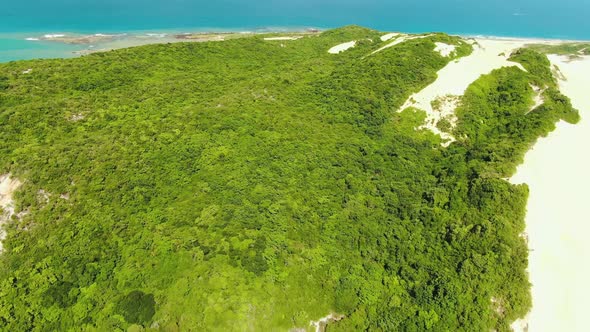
30	19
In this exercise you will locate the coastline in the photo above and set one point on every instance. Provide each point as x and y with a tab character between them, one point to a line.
67	44
29	45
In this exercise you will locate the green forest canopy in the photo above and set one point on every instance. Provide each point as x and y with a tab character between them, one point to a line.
258	185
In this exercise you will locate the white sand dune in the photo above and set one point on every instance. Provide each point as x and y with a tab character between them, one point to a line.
558	217
444	49
342	47
390	35
7	186
453	80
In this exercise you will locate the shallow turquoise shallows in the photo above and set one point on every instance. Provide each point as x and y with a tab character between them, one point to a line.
21	19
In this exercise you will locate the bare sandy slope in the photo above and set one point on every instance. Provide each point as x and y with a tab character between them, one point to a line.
342	47
558	217
444	49
453	80
7	187
390	35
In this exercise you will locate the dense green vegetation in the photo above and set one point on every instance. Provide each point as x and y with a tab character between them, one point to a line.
573	48
257	185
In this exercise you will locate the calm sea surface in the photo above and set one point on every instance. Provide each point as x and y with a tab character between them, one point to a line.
21	19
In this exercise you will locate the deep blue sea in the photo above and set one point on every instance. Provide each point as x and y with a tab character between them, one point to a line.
21	19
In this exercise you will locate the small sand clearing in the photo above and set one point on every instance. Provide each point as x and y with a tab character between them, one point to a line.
7	187
444	49
453	80
77	117
537	98
442	119
521	325
320	324
342	47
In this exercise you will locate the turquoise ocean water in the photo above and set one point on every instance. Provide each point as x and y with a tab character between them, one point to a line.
22	19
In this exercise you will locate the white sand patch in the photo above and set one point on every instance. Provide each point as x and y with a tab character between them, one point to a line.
52	36
498	306
7	187
43	196
444	49
399	40
77	117
558	212
342	47
453	80
390	35
537	98
284	38
521	325
321	323
442	108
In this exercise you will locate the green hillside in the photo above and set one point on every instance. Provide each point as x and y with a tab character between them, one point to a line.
254	185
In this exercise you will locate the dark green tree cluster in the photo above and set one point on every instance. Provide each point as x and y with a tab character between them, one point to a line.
257	185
